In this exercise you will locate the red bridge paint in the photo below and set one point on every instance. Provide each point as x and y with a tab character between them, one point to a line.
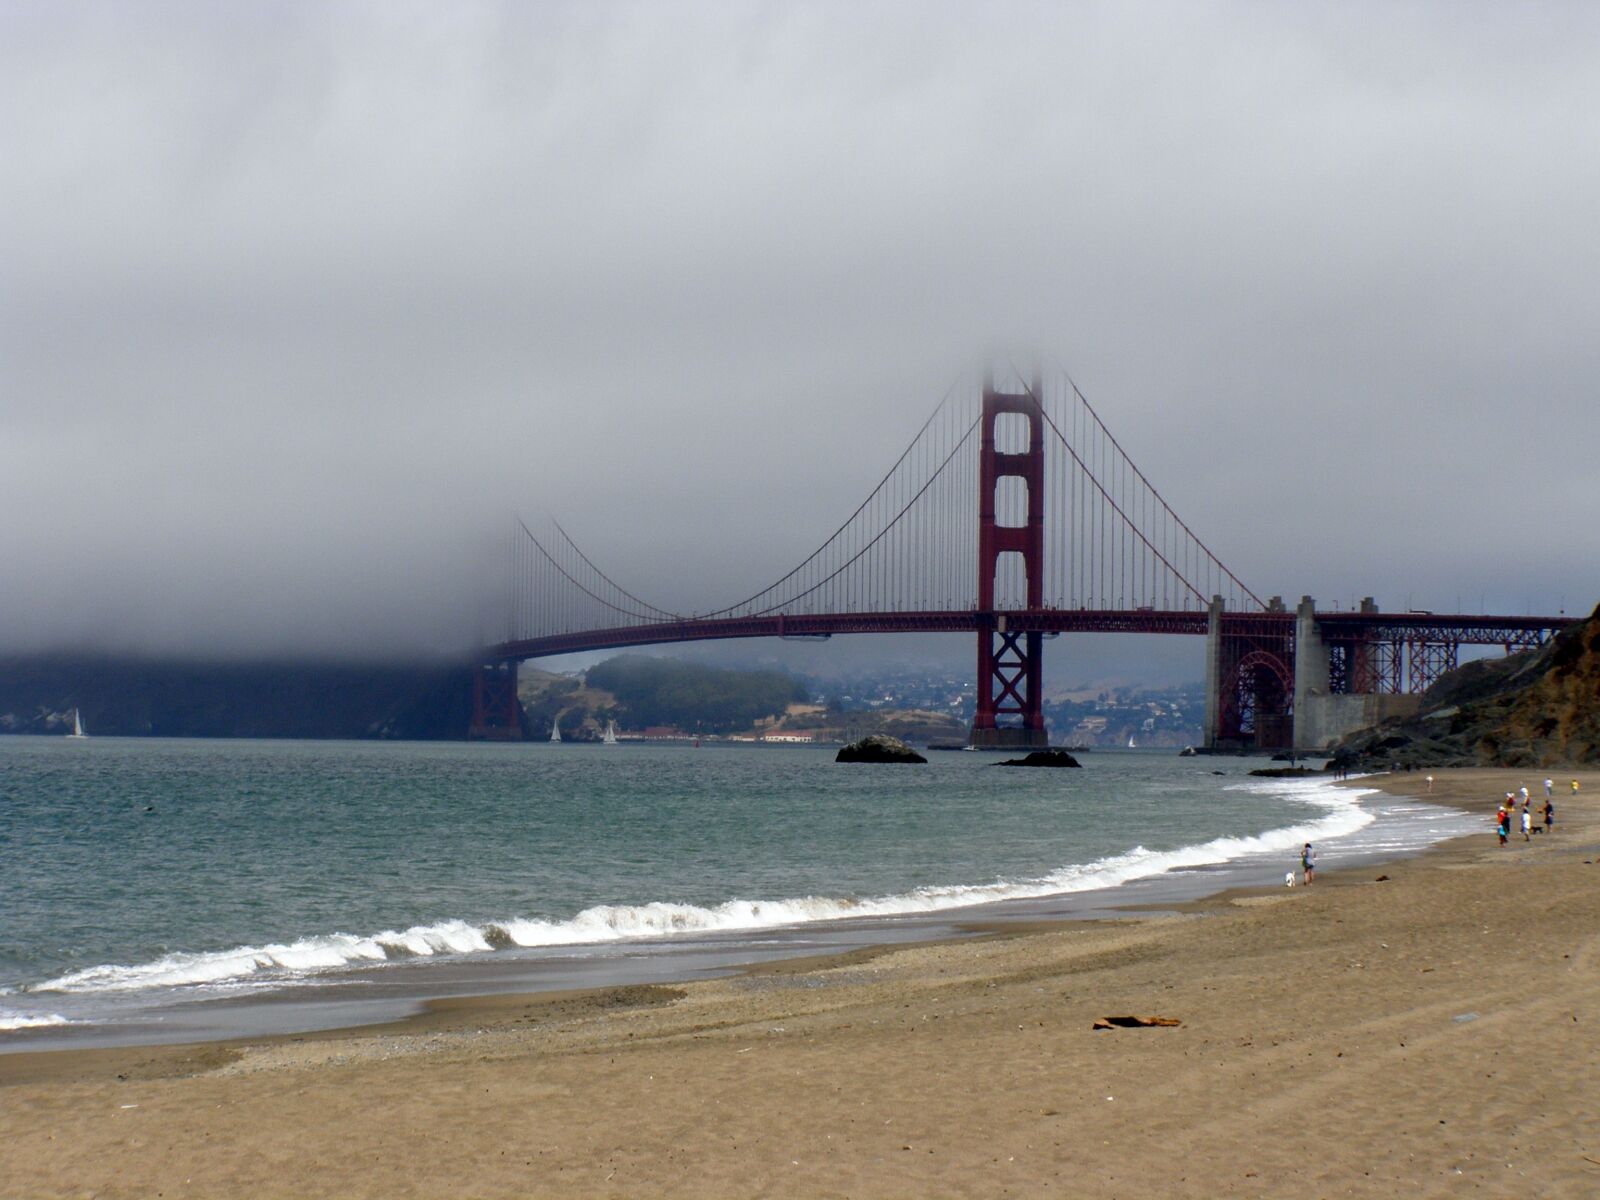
1097	551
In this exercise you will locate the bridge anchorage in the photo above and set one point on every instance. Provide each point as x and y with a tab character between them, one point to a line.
1015	514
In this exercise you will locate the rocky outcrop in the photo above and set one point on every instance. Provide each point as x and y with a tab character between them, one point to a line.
1043	758
1537	709
878	748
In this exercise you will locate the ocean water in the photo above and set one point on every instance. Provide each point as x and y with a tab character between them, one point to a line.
140	878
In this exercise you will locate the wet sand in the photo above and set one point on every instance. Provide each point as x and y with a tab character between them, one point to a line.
1431	1034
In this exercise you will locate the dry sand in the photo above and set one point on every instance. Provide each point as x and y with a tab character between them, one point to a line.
1437	1033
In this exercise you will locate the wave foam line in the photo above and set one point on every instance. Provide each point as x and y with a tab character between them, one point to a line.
16	1020
612	923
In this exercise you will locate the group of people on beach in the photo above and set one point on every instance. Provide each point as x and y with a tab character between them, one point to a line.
1508	812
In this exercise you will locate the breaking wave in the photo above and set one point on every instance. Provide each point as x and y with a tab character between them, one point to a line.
16	1020
1341	815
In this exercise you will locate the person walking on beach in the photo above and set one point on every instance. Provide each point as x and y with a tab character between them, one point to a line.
1308	864
1430	783
1574	787
1549	816
1502	822
1524	793
1527	822
1548	784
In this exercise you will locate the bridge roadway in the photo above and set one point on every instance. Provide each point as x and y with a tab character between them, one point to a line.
1462	629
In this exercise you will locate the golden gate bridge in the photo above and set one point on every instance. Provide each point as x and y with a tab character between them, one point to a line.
1014	515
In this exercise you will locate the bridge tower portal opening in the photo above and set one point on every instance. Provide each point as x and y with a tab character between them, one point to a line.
1010	709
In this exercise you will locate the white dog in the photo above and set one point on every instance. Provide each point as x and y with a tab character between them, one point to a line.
1288	879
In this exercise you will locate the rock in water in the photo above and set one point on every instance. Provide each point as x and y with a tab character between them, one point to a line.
1043	758
878	748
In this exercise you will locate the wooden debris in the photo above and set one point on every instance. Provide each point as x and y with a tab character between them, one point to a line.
1134	1022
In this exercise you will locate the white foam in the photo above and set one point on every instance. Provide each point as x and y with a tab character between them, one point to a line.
293	958
1341	815
16	1020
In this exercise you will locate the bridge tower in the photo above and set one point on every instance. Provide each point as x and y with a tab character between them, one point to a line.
496	712
1010	661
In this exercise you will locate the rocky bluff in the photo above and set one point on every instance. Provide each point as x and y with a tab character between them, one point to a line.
1535	709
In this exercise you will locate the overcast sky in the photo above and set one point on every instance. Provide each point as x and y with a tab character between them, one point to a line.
298	301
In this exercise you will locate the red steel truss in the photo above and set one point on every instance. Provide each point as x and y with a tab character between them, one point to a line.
1407	652
496	714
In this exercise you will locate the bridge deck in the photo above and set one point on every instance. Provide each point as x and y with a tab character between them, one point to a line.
1459	628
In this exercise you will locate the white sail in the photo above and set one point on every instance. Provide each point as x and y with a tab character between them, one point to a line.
555	730
77	725
611	733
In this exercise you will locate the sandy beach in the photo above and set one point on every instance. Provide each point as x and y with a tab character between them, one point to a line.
1434	1031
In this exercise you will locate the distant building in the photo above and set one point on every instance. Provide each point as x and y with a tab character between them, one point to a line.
788	737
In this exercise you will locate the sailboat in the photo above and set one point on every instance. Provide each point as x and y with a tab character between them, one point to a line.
610	738
77	725
555	730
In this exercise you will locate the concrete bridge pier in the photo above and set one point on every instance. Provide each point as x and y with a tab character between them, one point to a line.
1213	726
1322	716
1310	671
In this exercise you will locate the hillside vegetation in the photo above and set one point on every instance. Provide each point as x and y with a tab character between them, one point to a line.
639	692
691	696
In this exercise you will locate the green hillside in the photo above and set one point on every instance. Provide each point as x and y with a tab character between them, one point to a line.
691	696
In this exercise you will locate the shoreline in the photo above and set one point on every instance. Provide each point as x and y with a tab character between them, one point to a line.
359	998
1412	1036
982	922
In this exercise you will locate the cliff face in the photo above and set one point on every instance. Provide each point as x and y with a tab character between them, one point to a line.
1540	709
1556	719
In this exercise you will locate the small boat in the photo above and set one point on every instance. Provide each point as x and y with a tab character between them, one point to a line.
555	730
77	725
610	738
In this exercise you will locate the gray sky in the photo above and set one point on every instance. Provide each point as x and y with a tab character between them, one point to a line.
298	300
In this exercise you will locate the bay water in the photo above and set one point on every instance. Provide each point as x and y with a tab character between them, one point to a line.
142	878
